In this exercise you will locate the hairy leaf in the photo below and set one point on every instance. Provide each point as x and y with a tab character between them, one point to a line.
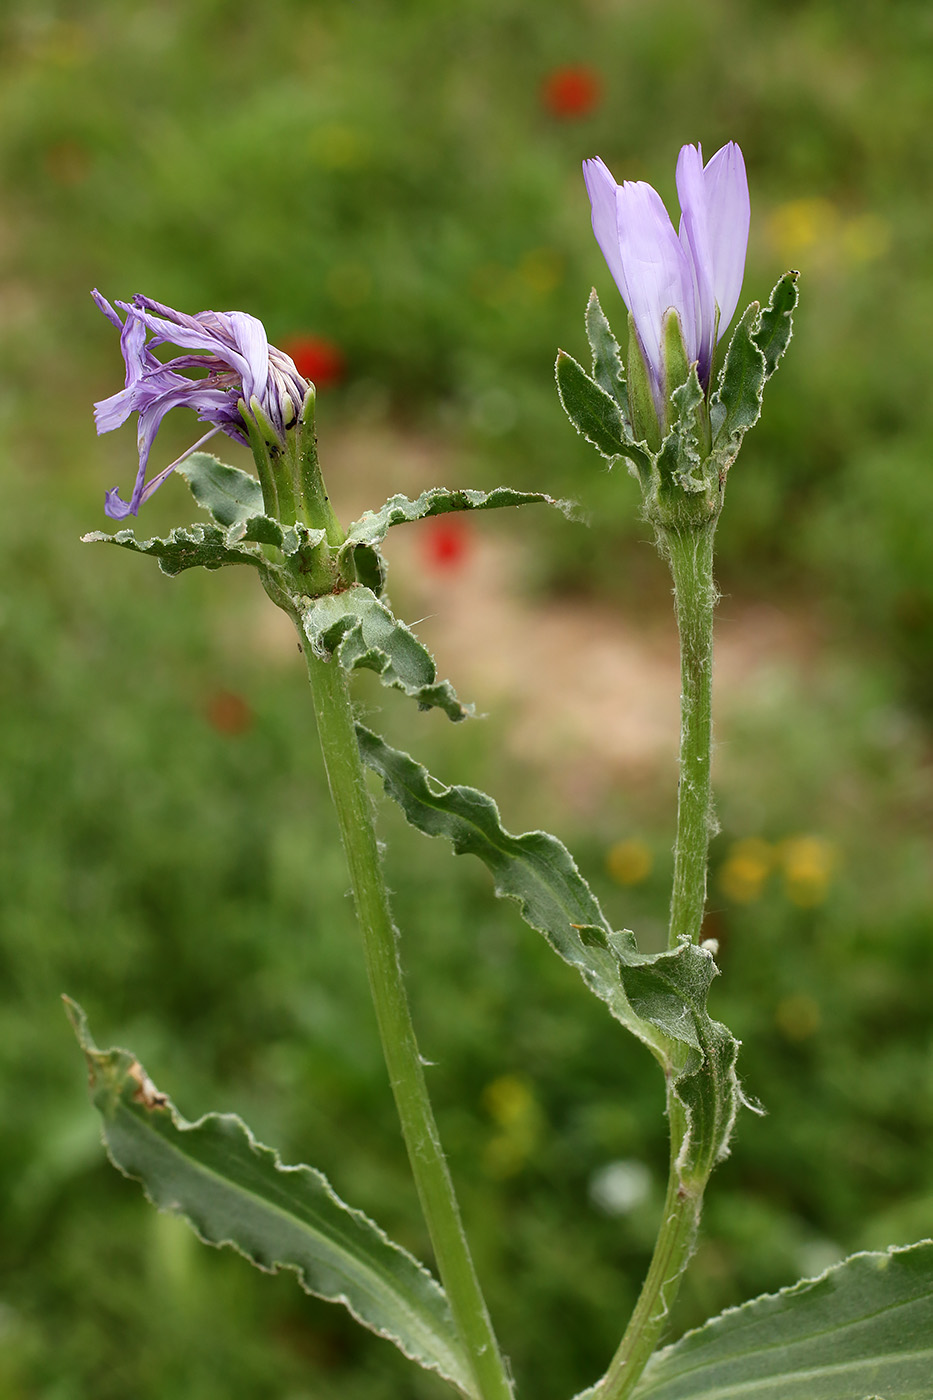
776	325
594	413
360	631
608	370
234	1191
661	998
211	547
373	526
862	1331
741	382
758	342
680	457
228	493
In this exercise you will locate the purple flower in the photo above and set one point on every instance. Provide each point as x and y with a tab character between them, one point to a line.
697	273
233	361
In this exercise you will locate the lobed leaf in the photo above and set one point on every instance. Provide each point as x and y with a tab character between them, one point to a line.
661	998
741	381
680	457
776	325
862	1331
227	492
235	1192
758	342
361	632
211	547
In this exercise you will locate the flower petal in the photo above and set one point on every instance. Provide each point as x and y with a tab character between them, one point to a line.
728	215
601	188
695	237
658	274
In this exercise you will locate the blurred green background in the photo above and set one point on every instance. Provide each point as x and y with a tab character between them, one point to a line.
395	188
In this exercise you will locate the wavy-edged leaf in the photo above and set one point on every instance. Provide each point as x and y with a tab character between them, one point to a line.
608	370
373	526
861	1331
234	1191
211	547
227	492
680	458
736	405
758	342
594	413
361	631
661	998
776	325
187	547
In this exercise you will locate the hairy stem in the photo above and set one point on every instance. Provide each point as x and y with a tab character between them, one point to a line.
690	554
404	1063
672	1251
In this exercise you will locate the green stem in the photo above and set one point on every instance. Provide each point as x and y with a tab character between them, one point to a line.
404	1063
672	1251
690	554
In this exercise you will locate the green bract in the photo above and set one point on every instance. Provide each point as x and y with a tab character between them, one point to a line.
682	475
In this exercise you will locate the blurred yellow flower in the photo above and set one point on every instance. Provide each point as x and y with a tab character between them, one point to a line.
798	225
510	1102
629	862
809	863
746	868
797	1016
808	230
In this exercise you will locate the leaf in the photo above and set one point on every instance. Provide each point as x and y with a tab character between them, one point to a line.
594	413
185	548
234	1191
741	382
360	631
758	342
373	526
608	370
228	493
661	998
861	1331
210	547
680	458
776	325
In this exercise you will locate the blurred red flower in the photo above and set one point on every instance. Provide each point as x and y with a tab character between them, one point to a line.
446	542
228	713
572	92
316	359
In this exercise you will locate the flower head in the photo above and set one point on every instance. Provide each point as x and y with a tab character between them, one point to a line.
234	362
696	273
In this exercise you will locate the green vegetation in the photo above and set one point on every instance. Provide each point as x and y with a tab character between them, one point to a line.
390	178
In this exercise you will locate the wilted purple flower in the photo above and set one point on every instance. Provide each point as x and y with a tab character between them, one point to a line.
234	360
697	273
